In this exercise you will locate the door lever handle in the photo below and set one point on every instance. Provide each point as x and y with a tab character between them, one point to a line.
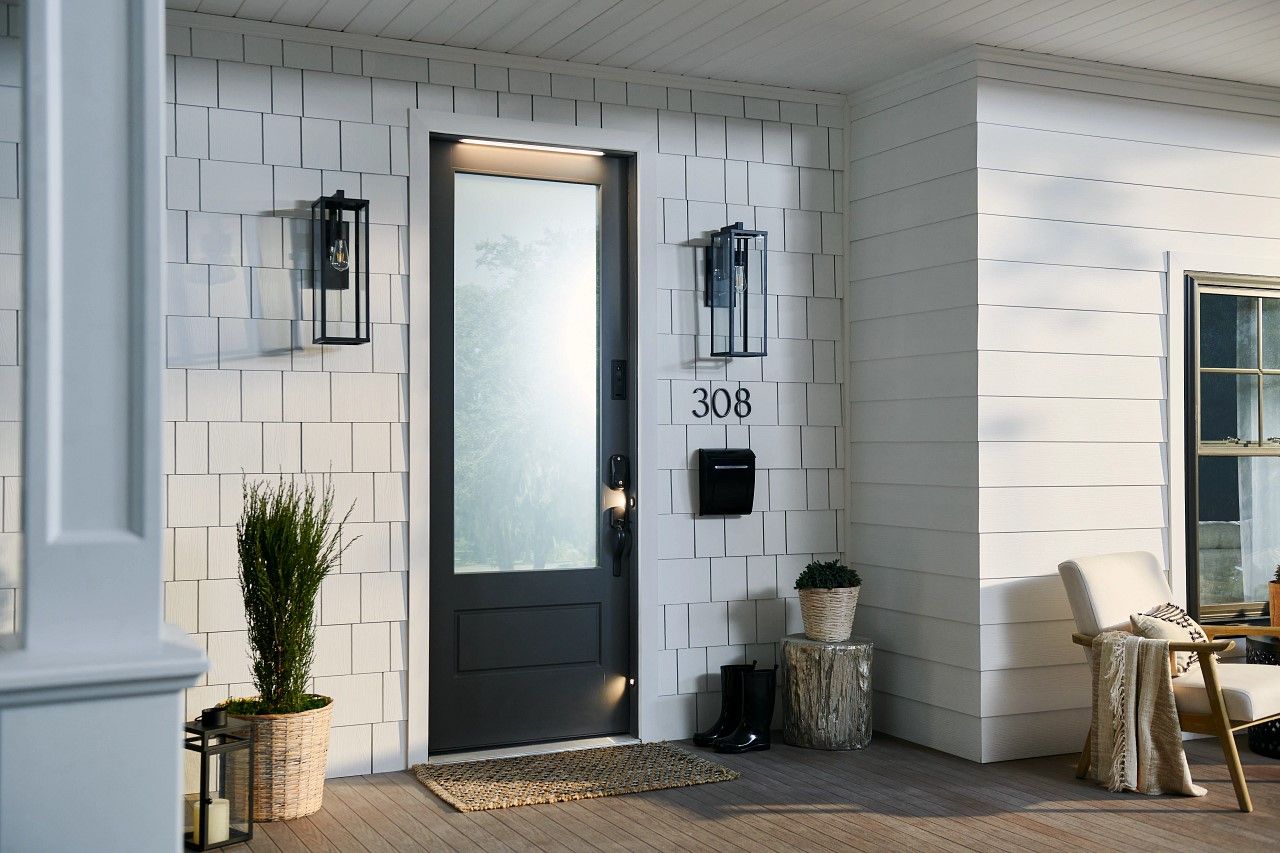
620	540
619	478
621	524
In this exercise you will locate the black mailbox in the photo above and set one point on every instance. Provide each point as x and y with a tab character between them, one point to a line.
726	481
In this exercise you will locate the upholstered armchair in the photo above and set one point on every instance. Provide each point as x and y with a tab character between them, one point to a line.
1212	698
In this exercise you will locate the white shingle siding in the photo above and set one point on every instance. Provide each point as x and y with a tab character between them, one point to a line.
10	327
258	128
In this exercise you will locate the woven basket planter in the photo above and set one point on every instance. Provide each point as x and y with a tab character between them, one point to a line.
828	613
290	754
1273	593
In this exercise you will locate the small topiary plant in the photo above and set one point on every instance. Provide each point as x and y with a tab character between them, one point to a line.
827	574
287	544
1276	579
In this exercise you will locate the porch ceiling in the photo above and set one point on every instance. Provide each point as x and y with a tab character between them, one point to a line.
829	45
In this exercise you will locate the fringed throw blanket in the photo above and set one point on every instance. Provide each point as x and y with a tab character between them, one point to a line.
1137	742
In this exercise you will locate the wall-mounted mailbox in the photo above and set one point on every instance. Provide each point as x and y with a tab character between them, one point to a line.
726	481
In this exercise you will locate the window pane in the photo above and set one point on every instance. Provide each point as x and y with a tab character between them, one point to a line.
1271	411
1239	500
1228	331
1228	408
526	299
1271	334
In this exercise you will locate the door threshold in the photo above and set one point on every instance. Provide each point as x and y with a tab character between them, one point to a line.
532	749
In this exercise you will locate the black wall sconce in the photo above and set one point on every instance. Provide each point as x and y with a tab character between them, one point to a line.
340	270
737	292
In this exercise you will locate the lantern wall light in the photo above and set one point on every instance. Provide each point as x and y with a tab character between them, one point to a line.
737	292
340	270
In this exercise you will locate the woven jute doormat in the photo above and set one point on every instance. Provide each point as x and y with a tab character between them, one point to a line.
561	776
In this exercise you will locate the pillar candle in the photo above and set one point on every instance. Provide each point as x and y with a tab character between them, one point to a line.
219	820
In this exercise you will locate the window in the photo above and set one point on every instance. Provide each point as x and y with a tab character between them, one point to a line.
1233	444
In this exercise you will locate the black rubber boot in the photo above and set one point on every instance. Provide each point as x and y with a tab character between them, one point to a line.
752	732
730	703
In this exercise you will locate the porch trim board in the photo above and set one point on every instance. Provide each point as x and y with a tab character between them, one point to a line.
402	47
647	632
1084	75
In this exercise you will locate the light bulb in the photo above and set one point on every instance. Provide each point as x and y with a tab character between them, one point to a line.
338	255
739	278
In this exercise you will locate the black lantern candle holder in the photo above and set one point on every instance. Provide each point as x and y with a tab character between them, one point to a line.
340	270
222	813
738	291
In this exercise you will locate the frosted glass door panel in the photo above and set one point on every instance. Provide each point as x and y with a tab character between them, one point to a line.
526	331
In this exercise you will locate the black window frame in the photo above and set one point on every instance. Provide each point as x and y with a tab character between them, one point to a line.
1196	283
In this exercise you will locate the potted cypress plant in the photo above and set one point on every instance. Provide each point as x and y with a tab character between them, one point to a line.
287	544
1273	594
828	599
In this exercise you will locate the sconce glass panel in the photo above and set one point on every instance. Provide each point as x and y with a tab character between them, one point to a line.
738	291
340	270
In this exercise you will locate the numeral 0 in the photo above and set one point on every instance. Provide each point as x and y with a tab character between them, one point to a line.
719	403
720	395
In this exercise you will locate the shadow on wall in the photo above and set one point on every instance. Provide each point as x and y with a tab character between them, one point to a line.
261	314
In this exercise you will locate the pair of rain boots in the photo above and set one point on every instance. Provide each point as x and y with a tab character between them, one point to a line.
746	710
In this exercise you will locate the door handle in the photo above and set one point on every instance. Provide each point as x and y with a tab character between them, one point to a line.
621	524
620	516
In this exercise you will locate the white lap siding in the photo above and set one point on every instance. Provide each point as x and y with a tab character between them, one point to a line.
1083	186
912	382
1008	370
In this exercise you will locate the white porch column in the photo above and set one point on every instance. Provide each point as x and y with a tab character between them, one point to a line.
90	705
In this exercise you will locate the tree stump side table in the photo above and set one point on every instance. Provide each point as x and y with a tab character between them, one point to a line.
826	692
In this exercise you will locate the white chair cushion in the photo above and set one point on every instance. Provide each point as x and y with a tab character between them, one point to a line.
1251	690
1104	590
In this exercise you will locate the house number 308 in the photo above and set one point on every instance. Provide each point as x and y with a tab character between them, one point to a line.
719	403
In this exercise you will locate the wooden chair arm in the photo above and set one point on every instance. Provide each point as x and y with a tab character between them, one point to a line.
1241	631
1203	648
1213	646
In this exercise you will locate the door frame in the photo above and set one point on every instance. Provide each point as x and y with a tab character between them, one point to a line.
646	617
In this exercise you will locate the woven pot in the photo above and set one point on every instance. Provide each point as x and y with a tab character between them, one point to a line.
290	754
828	613
1273	591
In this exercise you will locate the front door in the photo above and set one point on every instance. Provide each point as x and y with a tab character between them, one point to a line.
529	408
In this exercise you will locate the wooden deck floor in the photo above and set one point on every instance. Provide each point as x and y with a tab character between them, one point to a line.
892	796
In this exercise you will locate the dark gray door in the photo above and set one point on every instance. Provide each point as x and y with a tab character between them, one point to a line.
530	617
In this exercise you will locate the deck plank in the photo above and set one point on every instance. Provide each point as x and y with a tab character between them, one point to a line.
893	795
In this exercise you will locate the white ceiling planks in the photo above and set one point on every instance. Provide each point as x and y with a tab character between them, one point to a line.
831	45
526	19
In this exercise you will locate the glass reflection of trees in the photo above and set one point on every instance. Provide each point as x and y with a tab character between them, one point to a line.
525	405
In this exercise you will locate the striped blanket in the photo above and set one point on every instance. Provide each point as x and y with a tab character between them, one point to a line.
1137	741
